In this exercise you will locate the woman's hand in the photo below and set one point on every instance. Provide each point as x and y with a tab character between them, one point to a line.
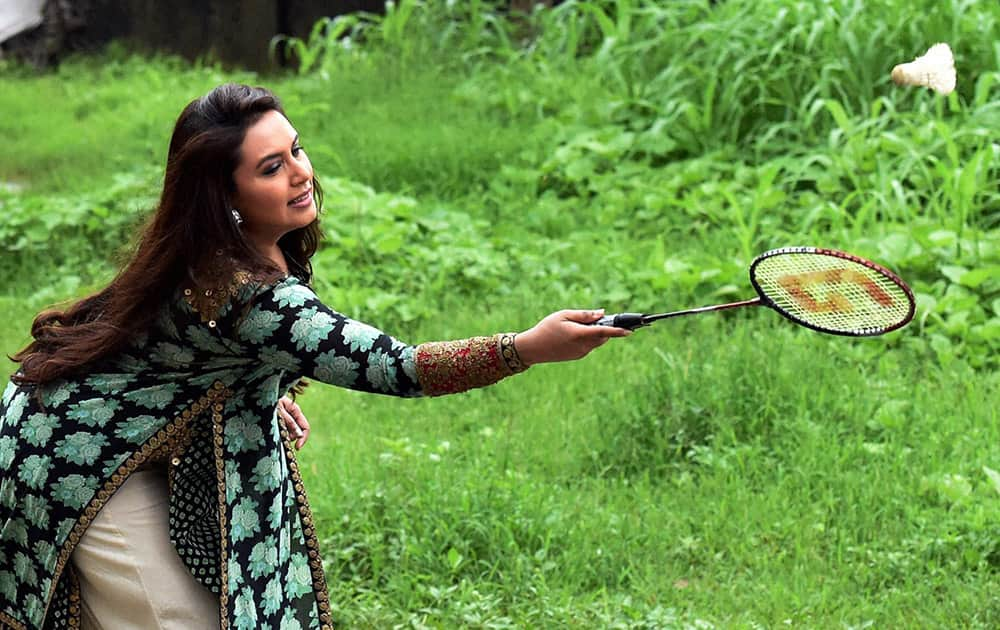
294	419
564	336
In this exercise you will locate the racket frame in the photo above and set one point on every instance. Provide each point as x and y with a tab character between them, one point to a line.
863	332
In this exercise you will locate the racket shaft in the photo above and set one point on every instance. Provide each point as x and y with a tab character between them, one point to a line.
703	309
631	321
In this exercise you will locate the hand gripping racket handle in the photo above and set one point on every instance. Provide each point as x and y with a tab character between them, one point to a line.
628	321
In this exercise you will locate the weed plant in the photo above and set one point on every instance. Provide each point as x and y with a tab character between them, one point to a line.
483	169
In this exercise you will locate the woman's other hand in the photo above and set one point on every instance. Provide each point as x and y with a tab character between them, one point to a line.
564	336
295	420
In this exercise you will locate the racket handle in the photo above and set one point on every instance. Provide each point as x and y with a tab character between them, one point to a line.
628	321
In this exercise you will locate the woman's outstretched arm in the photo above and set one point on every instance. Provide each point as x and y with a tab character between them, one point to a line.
290	328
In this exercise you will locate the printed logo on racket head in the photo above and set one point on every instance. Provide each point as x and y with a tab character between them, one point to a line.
798	284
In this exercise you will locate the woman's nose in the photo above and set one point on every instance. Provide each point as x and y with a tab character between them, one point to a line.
302	171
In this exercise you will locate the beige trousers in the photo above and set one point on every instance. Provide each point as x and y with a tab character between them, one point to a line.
131	578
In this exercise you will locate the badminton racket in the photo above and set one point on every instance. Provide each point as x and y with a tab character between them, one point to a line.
827	290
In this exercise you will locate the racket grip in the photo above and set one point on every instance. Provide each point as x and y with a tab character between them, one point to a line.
628	321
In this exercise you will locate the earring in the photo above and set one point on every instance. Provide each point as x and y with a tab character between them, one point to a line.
237	216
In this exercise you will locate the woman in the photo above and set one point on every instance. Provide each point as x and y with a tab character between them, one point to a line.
145	478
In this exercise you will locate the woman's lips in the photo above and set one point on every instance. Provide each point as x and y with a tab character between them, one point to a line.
303	200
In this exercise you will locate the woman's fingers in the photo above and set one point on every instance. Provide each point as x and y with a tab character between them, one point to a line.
295	420
588	318
565	336
303	424
289	421
582	316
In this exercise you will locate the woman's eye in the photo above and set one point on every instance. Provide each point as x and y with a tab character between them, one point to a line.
271	170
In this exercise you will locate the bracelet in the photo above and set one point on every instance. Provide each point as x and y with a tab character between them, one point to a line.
509	353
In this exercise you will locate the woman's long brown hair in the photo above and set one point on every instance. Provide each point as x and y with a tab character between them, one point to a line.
192	237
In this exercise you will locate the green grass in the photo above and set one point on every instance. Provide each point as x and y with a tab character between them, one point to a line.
739	473
730	470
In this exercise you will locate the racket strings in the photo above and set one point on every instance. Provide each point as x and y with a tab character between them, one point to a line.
832	293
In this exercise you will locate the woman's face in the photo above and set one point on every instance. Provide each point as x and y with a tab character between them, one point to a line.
273	181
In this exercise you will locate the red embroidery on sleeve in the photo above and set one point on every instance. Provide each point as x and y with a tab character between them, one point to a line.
448	367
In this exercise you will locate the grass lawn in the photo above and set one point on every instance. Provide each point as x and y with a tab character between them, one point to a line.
728	470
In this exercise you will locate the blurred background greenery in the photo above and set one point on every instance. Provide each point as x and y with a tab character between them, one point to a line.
483	169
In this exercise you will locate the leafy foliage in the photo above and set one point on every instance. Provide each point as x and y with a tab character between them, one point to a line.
483	168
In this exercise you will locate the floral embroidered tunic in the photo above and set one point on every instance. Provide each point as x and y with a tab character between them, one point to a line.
198	392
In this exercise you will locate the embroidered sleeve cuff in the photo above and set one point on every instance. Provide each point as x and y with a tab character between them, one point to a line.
449	367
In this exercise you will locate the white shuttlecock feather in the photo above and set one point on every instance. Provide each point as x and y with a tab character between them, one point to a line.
934	70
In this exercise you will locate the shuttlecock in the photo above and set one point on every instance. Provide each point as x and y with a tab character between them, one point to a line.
934	70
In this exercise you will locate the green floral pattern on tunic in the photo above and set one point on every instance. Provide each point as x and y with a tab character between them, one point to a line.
81	447
35	471
63	442
38	429
94	412
74	491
